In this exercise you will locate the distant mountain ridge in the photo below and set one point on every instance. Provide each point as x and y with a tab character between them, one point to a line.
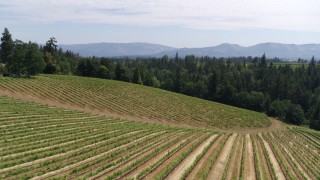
116	49
283	51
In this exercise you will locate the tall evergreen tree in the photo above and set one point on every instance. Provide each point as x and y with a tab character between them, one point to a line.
49	51
120	72
176	56
315	117
51	45
16	63
263	65
213	84
178	80
6	47
136	76
34	61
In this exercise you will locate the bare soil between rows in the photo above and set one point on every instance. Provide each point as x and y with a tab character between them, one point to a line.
277	168
218	168
177	173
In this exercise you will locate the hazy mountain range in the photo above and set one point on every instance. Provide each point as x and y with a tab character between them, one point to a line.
117	49
284	51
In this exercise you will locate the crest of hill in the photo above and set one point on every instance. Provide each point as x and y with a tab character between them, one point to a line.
130	101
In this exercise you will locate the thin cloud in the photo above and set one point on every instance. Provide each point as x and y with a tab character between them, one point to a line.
119	11
201	14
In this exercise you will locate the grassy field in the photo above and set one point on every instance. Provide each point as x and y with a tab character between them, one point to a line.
293	65
44	142
120	99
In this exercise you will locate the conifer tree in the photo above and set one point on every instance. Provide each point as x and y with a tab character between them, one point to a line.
137	77
6	46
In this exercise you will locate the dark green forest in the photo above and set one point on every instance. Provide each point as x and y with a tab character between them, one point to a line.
289	93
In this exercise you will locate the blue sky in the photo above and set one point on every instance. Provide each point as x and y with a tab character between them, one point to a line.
187	23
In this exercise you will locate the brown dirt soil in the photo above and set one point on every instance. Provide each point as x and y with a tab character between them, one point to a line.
127	162
263	166
154	173
278	172
219	166
235	165
276	125
285	162
205	159
188	161
297	164
154	159
249	160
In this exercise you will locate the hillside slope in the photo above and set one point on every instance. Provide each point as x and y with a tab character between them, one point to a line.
126	100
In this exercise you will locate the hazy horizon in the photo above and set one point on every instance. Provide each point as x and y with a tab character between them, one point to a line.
189	47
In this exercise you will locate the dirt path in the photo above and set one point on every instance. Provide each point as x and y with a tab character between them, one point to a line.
154	159
249	169
153	174
218	169
263	166
188	161
278	172
205	159
234	168
276	125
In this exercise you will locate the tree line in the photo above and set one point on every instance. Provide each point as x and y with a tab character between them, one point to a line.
290	93
21	59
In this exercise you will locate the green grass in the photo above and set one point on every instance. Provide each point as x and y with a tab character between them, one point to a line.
136	101
293	65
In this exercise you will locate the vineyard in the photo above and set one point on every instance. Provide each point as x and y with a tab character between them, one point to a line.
45	142
131	101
